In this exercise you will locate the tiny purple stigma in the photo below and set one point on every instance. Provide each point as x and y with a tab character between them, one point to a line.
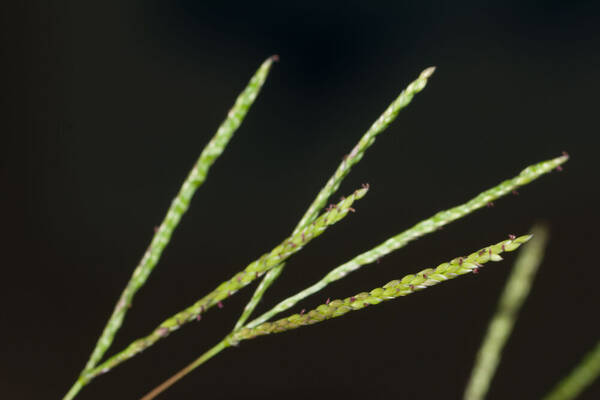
351	209
198	317
559	168
512	237
425	276
490	204
366	186
327	302
565	154
220	305
162	331
460	261
514	192
482	252
412	287
352	299
503	248
302	311
475	270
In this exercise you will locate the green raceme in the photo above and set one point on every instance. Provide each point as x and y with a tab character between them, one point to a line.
405	286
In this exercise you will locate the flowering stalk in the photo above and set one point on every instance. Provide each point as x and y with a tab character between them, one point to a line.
579	379
422	228
515	292
336	179
405	286
178	207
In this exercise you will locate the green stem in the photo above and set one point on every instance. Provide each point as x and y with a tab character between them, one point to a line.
422	228
515	292
77	386
580	378
332	185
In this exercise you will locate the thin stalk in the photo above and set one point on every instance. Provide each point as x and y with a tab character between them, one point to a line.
223	344
289	246
515	292
178	207
579	379
422	228
332	185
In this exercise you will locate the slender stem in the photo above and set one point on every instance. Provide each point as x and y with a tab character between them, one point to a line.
580	378
77	386
267	281
422	228
357	153
515	292
196	363
178	207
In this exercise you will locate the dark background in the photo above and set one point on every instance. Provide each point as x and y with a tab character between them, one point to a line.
107	105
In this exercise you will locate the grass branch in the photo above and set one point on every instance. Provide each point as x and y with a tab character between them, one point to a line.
178	207
579	379
402	287
515	292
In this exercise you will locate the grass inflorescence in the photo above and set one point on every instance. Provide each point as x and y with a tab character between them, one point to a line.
271	264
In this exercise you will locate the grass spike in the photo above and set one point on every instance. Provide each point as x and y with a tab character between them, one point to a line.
178	207
514	294
402	287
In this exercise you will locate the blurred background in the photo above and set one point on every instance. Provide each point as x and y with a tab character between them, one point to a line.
108	104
